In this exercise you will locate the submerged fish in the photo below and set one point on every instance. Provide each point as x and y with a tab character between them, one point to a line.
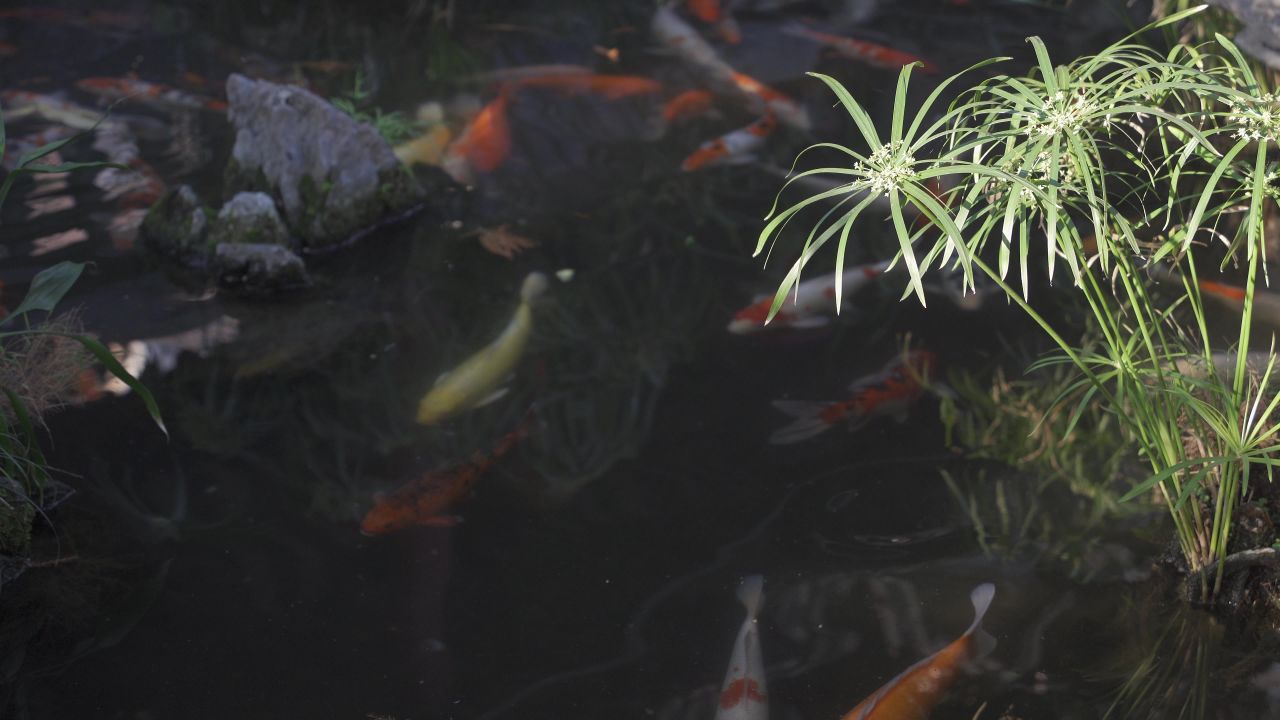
153	93
678	37
426	500
744	694
773	101
808	306
686	104
737	146
484	144
426	149
891	391
913	693
610	87
873	54
1266	303
714	13
477	380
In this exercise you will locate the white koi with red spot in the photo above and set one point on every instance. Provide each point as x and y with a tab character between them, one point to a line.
890	392
809	305
731	148
744	694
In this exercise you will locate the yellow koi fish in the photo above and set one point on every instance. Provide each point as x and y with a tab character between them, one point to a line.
478	378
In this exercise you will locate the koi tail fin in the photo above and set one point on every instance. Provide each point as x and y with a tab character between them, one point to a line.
808	422
981	597
751	593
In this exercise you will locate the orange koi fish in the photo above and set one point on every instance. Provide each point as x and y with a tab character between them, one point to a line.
808	305
712	13
154	93
744	694
891	391
1230	294
686	104
610	87
426	500
484	144
773	101
732	147
866	51
708	11
678	37
913	694
1266	303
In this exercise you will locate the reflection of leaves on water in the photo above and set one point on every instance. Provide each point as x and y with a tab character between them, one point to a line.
1178	663
58	616
608	342
223	414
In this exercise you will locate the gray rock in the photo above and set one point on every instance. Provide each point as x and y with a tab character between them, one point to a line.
255	268
334	176
1261	20
249	217
176	226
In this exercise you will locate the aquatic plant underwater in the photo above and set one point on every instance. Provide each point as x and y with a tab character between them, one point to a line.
1127	163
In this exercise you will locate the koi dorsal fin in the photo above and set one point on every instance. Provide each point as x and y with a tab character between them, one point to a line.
983	642
981	598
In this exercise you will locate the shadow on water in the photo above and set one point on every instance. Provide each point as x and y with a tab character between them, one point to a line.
591	570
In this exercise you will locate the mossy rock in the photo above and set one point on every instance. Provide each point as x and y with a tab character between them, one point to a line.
177	227
333	177
251	218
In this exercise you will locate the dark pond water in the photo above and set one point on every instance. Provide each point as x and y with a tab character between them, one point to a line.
221	572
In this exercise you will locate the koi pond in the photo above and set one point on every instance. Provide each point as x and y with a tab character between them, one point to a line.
409	360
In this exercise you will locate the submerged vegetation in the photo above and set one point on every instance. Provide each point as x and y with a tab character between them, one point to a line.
1066	483
394	127
1127	164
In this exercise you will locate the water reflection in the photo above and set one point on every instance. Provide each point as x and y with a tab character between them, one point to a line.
1178	663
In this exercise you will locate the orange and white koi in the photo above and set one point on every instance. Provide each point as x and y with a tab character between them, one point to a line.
717	75
154	93
808	305
679	37
732	147
913	693
744	694
687	104
873	54
1266	303
484	144
716	15
610	87
426	500
772	101
891	391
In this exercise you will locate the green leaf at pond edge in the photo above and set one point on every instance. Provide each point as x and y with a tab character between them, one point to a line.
48	287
